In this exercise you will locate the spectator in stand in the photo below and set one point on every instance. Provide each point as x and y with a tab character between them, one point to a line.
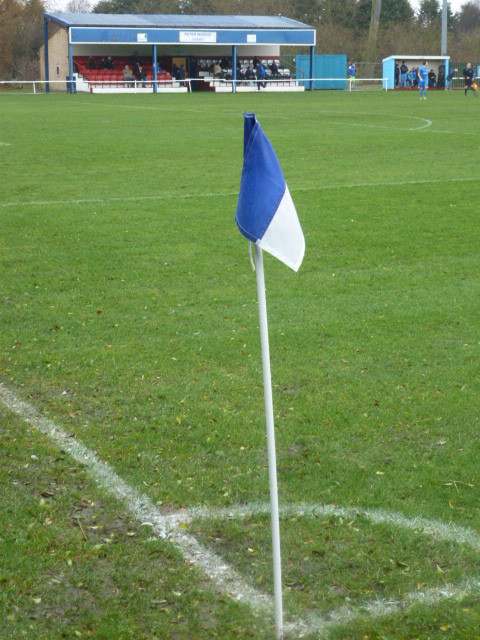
397	74
135	59
91	62
217	70
181	75
128	76
432	79
261	75
102	64
451	74
403	75
141	75
175	71
469	76
255	60
109	64
240	74
250	75
274	69
225	63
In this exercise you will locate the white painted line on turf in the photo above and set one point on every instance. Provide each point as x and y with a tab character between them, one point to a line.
4	144
225	578
228	194
440	531
371	125
229	114
428	123
380	608
78	201
141	508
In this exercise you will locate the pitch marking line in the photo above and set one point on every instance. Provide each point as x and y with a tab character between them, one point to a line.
426	121
233	114
224	577
141	507
4	144
228	194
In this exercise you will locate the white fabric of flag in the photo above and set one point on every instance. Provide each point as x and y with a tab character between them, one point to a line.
265	213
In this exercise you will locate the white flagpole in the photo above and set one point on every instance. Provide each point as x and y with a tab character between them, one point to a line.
272	463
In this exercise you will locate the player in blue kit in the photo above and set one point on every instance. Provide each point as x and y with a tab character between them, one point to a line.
423	79
351	71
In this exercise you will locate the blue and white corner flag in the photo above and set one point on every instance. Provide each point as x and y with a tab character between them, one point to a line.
266	214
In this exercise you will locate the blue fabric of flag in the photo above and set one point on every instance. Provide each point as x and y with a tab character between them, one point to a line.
263	184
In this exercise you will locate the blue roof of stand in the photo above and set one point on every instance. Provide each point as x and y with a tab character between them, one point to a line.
169	29
171	21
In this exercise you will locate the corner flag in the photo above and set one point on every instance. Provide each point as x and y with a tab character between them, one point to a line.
266	214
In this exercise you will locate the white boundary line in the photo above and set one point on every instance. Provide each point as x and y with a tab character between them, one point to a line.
163	109
224	577
428	123
141	507
227	194
437	529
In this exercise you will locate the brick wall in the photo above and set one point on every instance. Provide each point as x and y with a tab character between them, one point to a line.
58	65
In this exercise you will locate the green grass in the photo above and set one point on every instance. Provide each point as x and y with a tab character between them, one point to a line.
129	317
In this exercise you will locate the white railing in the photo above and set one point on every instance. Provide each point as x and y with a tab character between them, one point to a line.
349	84
35	85
135	86
352	83
40	86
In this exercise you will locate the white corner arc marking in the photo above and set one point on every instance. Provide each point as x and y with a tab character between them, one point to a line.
225	578
141	508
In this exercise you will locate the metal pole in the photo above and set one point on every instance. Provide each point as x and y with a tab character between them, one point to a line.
70	63
234	68
312	59
272	464
45	39
444	28
154	54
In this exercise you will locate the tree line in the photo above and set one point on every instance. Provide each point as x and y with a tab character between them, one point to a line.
366	30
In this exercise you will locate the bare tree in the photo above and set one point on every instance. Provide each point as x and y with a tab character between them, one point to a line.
9	10
373	30
79	6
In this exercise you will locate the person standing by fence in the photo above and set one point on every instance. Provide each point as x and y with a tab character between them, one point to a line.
403	75
450	76
351	73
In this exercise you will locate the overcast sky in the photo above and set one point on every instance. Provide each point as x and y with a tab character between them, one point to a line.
59	5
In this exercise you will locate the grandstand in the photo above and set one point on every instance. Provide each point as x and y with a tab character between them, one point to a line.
196	42
112	81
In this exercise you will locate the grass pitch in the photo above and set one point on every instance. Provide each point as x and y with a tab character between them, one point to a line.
129	317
